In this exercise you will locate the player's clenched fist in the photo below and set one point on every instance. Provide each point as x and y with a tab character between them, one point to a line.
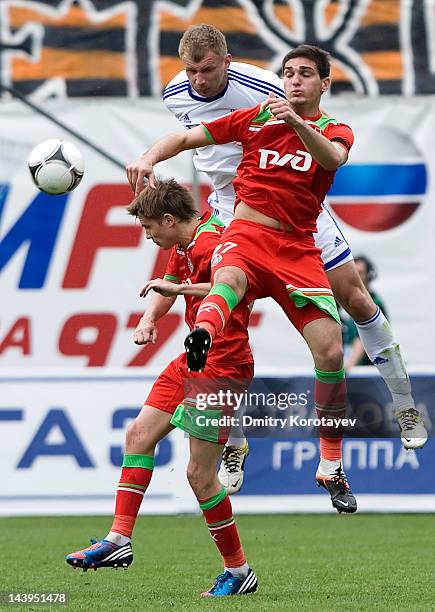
138	171
145	332
282	110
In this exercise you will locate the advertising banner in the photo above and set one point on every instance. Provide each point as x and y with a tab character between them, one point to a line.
72	266
61	446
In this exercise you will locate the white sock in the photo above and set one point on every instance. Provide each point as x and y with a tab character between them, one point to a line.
382	350
327	467
117	538
239	572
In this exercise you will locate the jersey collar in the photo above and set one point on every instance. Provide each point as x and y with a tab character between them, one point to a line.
312	118
201	220
194	95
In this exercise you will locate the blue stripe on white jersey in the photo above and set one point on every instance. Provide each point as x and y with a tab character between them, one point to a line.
261	89
175	92
253	80
171	87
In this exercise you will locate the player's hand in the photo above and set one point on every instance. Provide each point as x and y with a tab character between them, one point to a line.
162	286
145	332
282	110
138	172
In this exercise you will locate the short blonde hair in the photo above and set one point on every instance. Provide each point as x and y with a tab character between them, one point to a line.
198	40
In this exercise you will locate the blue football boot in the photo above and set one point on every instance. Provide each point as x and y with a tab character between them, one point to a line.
102	553
227	584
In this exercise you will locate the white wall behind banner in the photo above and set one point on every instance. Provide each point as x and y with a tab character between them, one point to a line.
71	267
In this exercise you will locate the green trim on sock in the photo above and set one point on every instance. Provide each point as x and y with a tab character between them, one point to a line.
141	461
220	523
227	293
330	377
133	486
214	501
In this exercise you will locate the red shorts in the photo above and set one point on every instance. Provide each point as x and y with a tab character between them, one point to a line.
277	264
170	388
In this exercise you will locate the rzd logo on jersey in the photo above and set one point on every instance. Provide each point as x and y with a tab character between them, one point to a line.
301	160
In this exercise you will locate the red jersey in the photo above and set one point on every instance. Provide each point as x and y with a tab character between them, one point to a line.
277	175
192	265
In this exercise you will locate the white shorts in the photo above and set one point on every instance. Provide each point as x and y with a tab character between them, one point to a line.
222	203
329	238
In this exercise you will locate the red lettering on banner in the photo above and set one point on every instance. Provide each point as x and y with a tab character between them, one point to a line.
18	337
93	233
165	328
96	351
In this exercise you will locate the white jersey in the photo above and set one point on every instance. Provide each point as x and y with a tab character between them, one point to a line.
247	86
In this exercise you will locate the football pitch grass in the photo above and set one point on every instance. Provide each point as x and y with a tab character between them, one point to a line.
365	562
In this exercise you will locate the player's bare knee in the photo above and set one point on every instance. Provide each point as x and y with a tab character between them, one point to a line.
234	277
193	473
201	479
330	358
138	439
334	356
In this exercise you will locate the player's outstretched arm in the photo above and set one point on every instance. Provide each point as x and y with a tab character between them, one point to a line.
168	147
198	289
169	289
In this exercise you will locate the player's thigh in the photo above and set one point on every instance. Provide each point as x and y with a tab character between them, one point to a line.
331	241
301	317
234	277
246	250
350	291
149	427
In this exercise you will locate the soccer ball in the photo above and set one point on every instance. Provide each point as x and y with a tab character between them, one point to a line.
56	166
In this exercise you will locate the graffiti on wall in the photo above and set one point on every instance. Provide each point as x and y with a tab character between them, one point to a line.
129	47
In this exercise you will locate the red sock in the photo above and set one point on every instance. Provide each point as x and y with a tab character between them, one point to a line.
330	401
216	308
135	478
218	515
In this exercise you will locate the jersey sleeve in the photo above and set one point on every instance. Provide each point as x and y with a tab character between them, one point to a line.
230	128
341	133
172	272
